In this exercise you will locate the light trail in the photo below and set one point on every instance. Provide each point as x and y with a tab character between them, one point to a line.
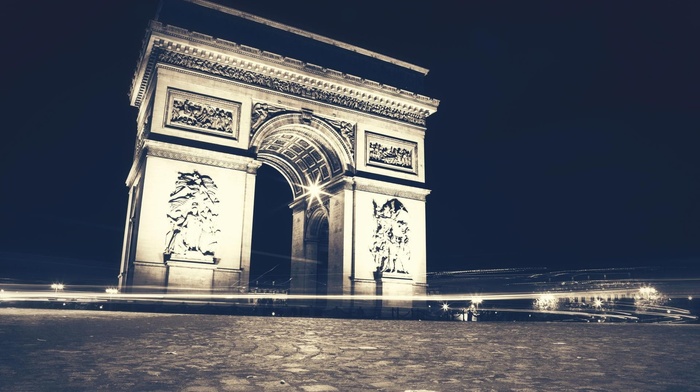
623	310
185	293
567	313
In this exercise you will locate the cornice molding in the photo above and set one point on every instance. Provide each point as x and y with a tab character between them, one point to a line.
348	183
154	148
196	155
180	47
389	189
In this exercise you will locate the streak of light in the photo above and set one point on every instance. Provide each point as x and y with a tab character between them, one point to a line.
185	293
565	312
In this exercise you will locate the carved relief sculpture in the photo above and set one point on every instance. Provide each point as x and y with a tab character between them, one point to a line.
201	115
346	130
391	153
261	112
285	86
390	238
192	217
204	114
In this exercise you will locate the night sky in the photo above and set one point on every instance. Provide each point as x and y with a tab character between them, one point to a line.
566	136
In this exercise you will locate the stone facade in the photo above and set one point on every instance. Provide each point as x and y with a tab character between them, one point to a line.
212	111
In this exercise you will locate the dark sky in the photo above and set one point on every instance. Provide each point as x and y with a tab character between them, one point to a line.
566	137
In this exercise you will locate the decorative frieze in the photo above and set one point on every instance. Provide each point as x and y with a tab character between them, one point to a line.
391	153
200	113
288	86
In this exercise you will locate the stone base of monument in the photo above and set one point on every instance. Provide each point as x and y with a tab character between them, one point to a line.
189	277
388	295
185	275
202	278
397	290
147	277
174	257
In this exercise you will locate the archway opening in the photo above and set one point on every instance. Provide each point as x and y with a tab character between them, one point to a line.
272	231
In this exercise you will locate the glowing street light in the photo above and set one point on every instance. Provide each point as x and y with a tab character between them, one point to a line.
445	307
598	303
57	286
546	301
476	301
111	291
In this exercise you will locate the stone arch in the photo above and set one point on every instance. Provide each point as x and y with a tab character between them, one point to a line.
304	149
317	223
212	101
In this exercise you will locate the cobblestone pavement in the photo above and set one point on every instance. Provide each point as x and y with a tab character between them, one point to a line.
80	350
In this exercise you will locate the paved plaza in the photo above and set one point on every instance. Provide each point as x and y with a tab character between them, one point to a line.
85	350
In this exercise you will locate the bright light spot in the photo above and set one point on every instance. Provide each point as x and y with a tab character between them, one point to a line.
477	300
597	303
111	290
445	306
273	313
314	191
57	286
690	298
647	292
546	302
648	296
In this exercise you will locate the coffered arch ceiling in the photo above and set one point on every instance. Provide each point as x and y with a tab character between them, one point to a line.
306	151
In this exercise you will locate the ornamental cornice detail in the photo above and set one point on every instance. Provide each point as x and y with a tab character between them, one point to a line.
225	45
204	157
388	101
393	190
379	187
289	87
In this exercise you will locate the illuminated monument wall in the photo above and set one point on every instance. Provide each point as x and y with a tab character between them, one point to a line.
220	93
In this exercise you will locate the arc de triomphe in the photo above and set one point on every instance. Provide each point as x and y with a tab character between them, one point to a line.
221	92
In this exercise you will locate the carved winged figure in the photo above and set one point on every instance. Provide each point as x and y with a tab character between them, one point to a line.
390	238
192	213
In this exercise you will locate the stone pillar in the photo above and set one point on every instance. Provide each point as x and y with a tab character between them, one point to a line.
192	220
302	274
389	243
